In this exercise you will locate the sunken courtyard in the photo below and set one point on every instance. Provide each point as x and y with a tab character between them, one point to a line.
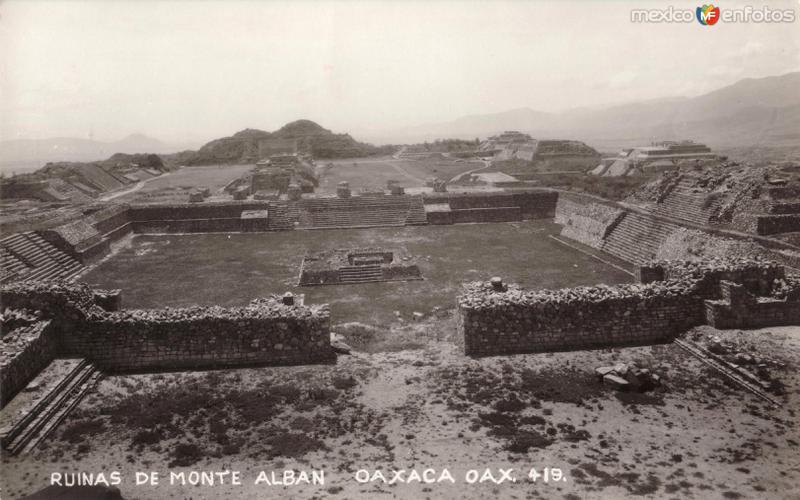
389	330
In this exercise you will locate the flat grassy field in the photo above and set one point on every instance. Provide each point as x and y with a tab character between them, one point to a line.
373	173
232	269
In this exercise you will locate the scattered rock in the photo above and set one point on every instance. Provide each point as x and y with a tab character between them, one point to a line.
616	382
624	376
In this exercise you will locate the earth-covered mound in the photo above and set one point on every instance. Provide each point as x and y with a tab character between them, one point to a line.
301	136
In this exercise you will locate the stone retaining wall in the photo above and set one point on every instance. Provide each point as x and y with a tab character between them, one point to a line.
777	224
586	222
35	348
89	239
492	214
738	308
512	321
737	293
203	338
266	332
187	226
490	207
181	211
757	276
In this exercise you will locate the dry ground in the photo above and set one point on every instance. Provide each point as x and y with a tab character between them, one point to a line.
374	173
173	187
388	407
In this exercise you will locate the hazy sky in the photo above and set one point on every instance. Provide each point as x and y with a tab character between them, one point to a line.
194	70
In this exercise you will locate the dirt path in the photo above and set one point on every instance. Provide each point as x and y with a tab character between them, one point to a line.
139	185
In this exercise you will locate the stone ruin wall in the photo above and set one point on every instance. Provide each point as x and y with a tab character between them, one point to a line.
36	347
266	332
491	207
739	308
674	296
590	221
767	225
203	337
587	223
89	239
510	322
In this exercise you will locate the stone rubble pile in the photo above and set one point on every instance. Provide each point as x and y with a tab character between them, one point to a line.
787	288
700	268
338	344
11	319
479	295
743	356
628	377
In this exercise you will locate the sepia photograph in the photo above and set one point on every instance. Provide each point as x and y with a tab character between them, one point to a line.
399	249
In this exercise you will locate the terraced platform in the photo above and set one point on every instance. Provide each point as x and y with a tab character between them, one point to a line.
685	204
358	211
637	238
31	258
36	411
360	274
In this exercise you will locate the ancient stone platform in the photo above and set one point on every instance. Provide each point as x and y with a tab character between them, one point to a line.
358	265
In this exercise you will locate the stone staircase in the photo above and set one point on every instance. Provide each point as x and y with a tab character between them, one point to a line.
11	267
685	204
637	238
280	217
416	212
360	211
36	411
44	261
360	274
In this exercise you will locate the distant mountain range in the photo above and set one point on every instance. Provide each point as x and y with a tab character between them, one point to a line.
763	111
28	154
751	112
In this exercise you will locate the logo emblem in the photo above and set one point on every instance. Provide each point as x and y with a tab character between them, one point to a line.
708	15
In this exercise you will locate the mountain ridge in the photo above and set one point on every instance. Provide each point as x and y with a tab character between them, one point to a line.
763	109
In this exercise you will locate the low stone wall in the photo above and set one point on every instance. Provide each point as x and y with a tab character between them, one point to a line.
65	304
503	206
31	348
735	293
757	276
90	238
184	211
110	218
269	333
584	221
738	308
401	272
266	332
536	204
95	252
187	226
512	321
493	214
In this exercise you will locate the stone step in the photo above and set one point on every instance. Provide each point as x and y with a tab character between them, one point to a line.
356	281
360	275
60	412
29	420
42	273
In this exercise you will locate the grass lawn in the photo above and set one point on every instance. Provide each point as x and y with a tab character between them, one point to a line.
232	269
